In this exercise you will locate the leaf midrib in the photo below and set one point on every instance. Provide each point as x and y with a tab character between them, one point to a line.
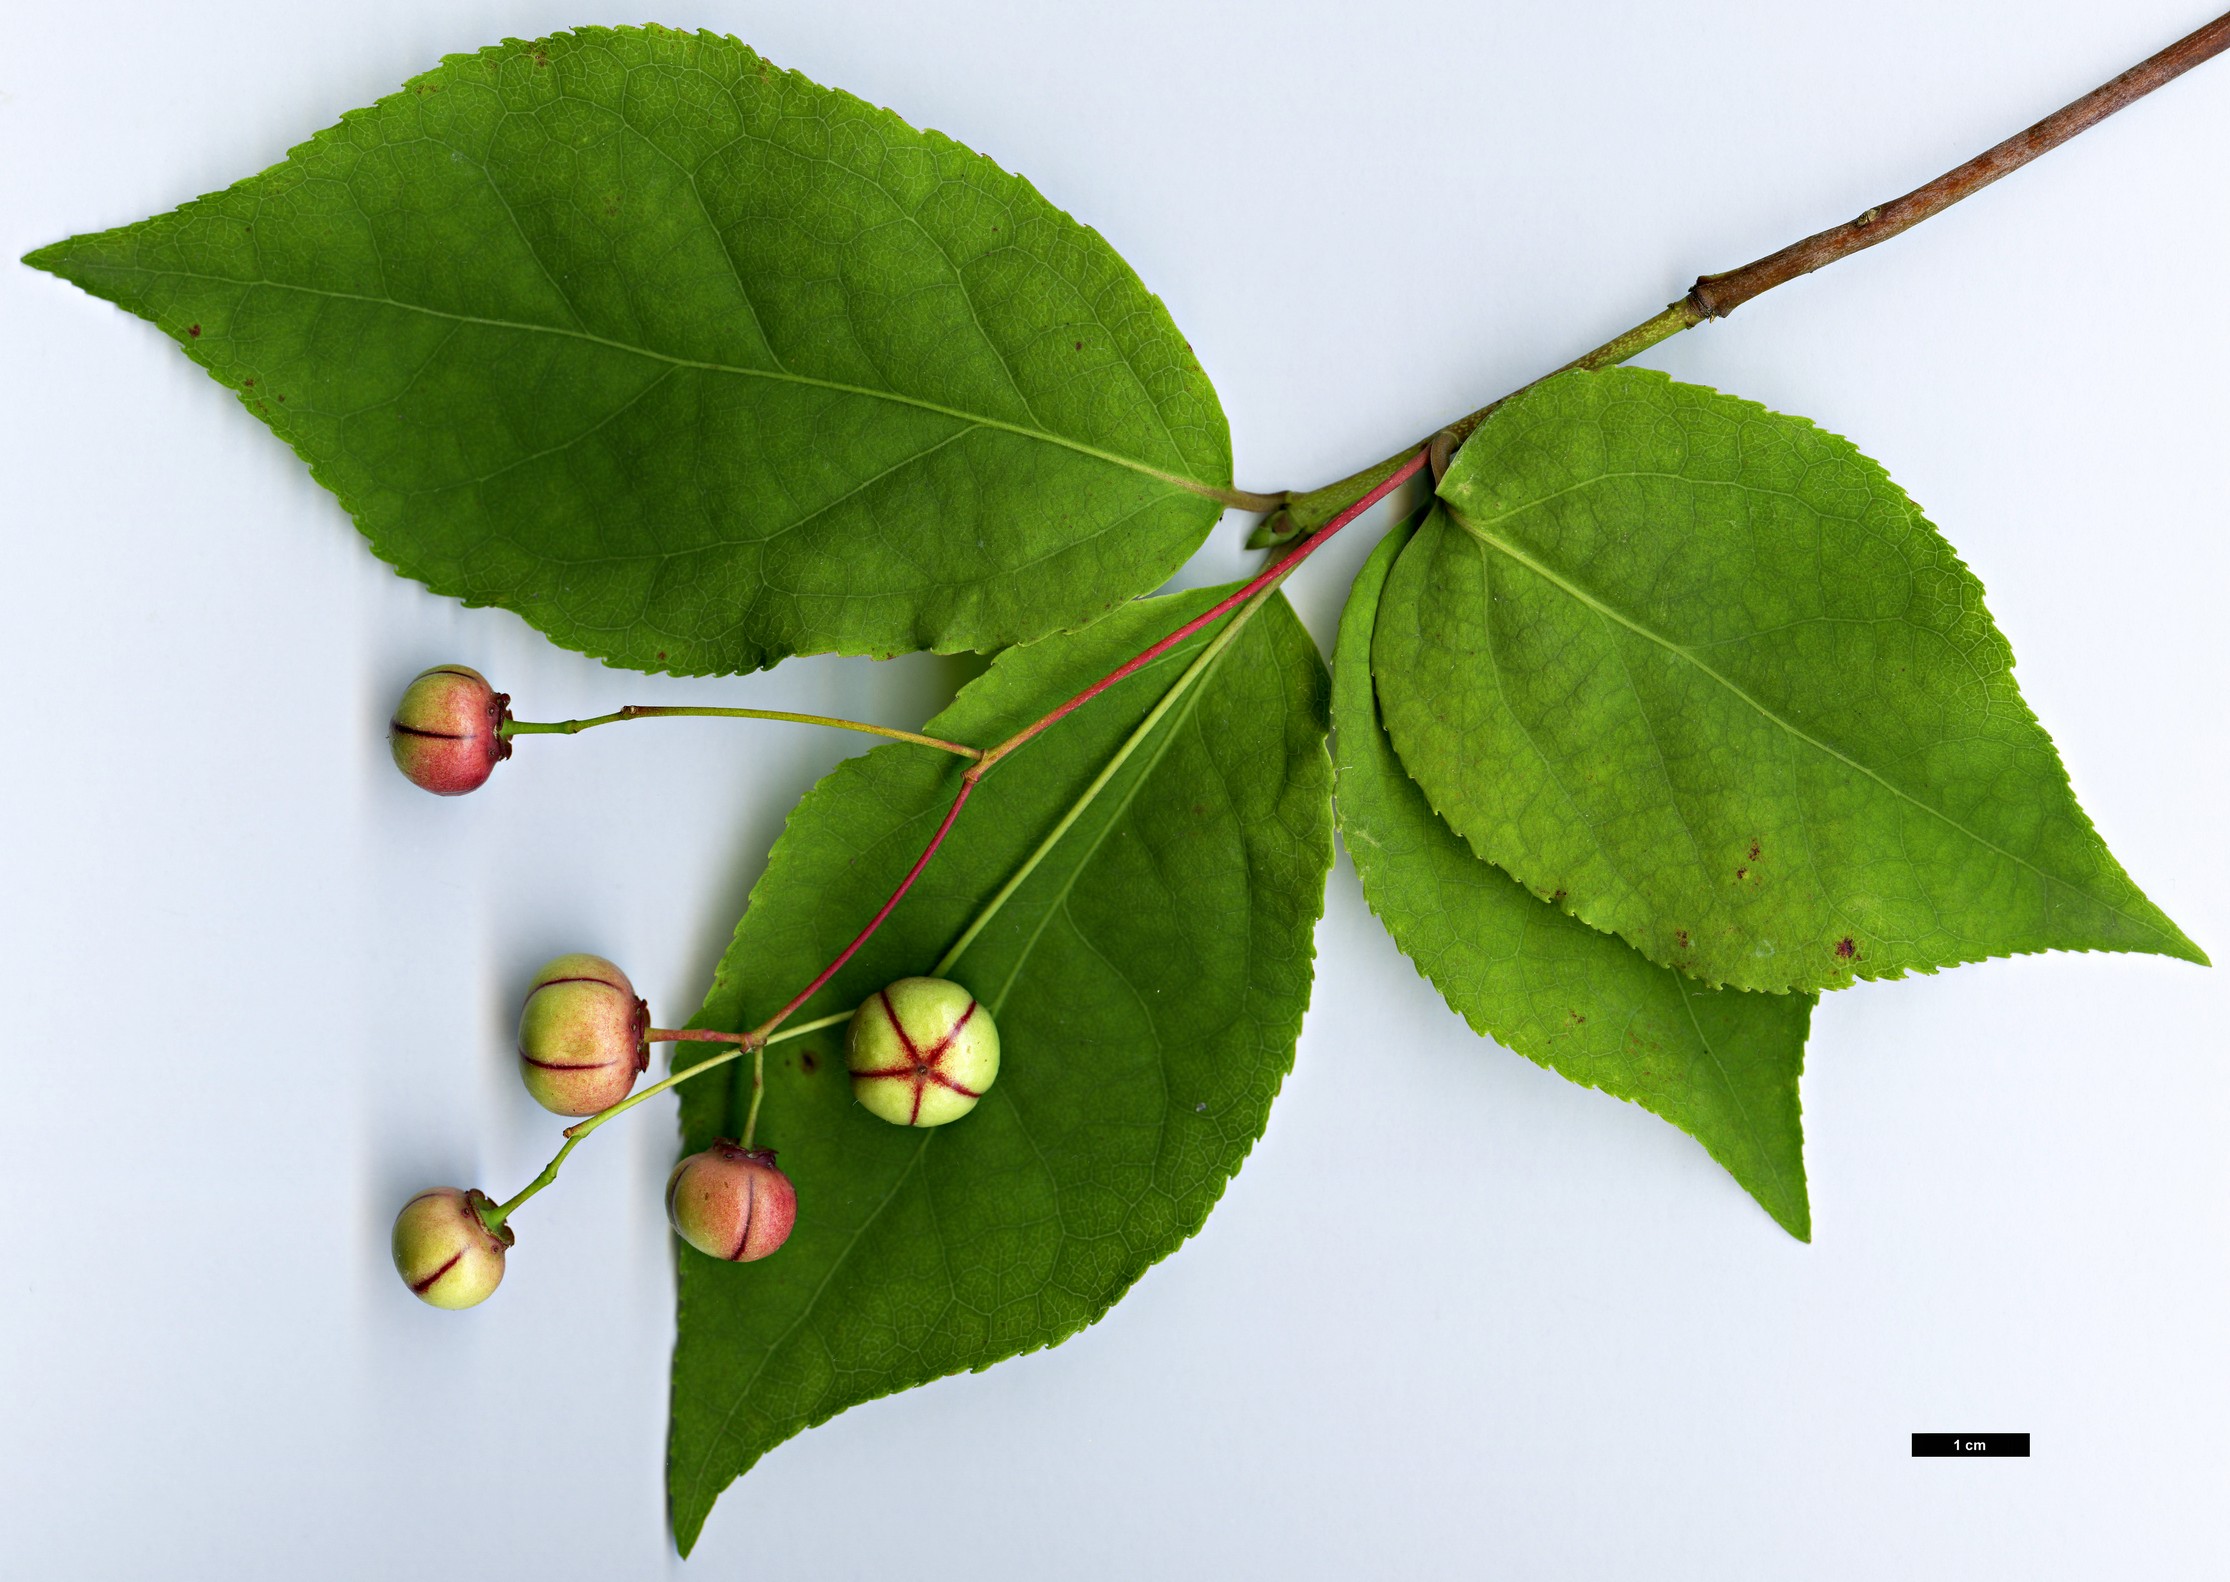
1167	727
1503	547
1366	763
836	1264
1201	487
1058	902
1760	1144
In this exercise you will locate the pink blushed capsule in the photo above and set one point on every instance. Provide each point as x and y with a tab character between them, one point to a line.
731	1202
582	1036
447	733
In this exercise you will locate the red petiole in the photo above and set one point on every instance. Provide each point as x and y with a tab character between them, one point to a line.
1130	667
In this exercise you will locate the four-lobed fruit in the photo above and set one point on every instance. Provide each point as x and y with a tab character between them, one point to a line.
445	1251
581	1036
921	1052
447	733
731	1202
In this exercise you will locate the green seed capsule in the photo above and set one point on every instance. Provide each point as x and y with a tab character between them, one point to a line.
581	1036
444	1250
921	1052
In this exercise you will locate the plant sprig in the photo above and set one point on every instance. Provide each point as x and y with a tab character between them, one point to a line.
1670	698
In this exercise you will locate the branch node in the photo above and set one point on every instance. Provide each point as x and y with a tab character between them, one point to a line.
1441	450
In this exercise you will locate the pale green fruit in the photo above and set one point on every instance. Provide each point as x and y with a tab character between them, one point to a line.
444	1250
581	1036
921	1052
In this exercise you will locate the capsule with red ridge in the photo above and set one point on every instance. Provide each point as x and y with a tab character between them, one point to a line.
447	733
731	1202
582	1036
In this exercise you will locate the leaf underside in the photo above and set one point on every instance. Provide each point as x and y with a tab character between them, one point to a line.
1703	675
692	362
1720	1064
1147	980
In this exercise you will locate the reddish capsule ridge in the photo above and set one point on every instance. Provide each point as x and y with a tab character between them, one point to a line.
444	1250
731	1202
582	1036
447	733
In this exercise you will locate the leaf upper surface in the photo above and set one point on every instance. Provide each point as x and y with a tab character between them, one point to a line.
1701	673
693	362
1147	980
1720	1064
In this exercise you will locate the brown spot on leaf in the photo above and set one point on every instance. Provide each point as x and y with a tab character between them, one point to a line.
1079	345
247	384
1846	948
542	57
1558	897
1742	873
1680	938
809	1062
194	330
1753	851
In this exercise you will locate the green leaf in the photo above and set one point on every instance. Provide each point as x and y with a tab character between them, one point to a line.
1147	976
1702	674
691	362
1719	1064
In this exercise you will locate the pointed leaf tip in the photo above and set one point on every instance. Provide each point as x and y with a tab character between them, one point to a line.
1703	673
696	391
1721	1064
1147	976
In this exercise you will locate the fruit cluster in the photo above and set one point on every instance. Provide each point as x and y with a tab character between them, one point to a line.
921	1052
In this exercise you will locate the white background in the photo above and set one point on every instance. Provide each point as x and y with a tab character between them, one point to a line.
1456	1317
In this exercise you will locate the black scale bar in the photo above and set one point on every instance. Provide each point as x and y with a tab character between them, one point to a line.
1970	1444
